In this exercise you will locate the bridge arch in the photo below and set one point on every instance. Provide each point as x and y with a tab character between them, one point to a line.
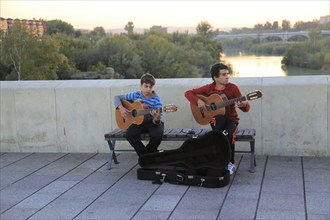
298	38
272	38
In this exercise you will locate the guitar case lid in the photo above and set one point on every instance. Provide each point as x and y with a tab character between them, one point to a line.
200	161
212	150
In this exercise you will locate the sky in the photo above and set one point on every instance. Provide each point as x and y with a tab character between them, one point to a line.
110	14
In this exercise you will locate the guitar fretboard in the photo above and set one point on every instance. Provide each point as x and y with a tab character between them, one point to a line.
138	112
229	102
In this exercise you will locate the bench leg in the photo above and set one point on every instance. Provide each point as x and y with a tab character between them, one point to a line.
112	154
252	157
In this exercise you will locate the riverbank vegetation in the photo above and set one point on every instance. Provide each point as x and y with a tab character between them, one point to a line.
65	53
62	53
255	47
311	53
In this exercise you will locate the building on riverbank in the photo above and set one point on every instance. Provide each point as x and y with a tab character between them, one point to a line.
36	27
324	19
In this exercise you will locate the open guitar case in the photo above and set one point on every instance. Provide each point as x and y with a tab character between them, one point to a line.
199	161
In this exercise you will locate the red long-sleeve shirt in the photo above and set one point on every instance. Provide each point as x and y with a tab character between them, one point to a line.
230	90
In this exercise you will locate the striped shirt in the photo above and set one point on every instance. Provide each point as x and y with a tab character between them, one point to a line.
153	102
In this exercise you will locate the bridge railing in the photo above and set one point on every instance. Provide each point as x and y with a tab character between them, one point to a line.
282	35
292	117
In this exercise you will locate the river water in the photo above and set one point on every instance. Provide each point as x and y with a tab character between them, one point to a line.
263	66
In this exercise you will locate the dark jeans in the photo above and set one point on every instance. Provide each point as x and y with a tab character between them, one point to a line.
156	134
222	123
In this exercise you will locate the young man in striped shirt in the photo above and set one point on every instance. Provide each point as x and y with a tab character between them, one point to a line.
152	124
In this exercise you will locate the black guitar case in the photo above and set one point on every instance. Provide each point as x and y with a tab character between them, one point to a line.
199	161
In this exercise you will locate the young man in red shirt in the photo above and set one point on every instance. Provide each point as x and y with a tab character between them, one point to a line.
225	123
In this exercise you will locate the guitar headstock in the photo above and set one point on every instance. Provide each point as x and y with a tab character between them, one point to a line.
254	95
170	108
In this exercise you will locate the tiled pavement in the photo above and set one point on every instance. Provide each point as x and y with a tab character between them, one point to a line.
79	186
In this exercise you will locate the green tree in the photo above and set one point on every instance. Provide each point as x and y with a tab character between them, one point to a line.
165	59
119	52
158	29
204	28
180	55
129	27
275	25
28	57
315	35
79	51
204	52
58	26
267	26
180	38
154	50
286	25
258	27
310	25
98	33
45	60
15	48
4	71
313	54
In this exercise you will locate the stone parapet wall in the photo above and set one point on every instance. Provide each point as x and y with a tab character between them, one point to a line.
292	117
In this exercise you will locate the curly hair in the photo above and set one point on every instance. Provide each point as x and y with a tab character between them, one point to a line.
215	69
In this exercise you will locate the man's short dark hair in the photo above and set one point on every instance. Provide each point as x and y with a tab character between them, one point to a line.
215	69
147	78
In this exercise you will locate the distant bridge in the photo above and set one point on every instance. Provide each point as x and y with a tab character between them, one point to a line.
284	36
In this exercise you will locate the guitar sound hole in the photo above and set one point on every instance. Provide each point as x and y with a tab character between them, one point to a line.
213	107
134	113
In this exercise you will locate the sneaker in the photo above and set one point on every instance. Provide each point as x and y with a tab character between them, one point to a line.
231	167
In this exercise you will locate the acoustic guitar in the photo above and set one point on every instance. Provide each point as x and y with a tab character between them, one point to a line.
137	113
216	105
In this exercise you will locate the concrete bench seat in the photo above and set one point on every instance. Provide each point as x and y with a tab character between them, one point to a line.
182	134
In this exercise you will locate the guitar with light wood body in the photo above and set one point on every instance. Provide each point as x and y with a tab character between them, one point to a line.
216	106
137	113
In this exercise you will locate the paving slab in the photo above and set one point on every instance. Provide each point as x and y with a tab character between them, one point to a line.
80	186
72	202
7	159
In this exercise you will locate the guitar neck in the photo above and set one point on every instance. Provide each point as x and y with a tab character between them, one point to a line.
139	112
230	102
